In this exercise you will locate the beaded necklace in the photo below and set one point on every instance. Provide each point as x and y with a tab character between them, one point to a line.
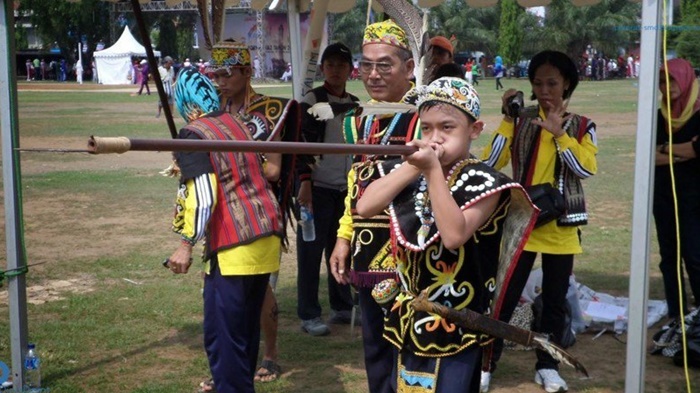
229	104
372	124
560	180
422	202
423	211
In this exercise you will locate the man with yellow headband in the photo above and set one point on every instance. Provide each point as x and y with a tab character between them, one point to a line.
268	119
386	70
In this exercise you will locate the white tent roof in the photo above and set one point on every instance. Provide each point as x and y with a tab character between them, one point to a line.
126	45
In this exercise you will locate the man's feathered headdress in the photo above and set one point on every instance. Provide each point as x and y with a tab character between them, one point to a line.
212	26
406	15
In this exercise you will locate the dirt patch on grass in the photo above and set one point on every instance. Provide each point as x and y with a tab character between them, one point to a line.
52	290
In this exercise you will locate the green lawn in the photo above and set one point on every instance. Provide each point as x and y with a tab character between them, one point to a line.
119	322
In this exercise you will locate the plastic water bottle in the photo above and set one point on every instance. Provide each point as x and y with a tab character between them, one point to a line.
308	231
32	370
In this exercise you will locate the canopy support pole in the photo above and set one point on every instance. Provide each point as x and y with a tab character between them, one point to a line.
312	46
294	46
11	177
643	191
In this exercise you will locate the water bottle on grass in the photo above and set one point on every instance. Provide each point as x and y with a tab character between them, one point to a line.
32	370
308	231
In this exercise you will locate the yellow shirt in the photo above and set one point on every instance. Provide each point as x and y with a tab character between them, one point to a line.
549	238
345	223
259	257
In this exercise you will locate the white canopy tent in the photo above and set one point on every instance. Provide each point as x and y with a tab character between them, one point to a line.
643	184
114	63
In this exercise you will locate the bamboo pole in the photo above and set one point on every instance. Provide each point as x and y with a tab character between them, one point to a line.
99	145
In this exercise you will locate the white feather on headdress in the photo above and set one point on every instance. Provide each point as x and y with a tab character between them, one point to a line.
327	111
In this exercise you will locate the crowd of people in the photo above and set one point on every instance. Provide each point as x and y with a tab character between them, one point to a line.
437	222
58	70
600	67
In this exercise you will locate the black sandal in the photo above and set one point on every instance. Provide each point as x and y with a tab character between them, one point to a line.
268	369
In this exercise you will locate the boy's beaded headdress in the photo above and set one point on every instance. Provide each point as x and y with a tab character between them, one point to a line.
454	91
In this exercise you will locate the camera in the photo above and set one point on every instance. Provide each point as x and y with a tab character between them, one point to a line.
514	105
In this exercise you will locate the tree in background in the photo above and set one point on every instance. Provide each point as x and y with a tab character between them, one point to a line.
606	26
688	41
66	23
185	36
349	27
510	34
475	29
167	37
21	40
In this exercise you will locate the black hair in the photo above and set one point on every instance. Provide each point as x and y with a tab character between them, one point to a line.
560	61
404	54
436	103
448	69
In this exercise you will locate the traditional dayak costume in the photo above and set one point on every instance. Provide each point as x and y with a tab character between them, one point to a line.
266	118
539	157
434	354
525	151
370	248
372	258
226	197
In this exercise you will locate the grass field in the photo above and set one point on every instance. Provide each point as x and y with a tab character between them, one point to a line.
107	317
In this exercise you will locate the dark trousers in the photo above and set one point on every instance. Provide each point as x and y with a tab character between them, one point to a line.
379	353
498	83
455	374
556	270
689	226
144	83
328	208
232	307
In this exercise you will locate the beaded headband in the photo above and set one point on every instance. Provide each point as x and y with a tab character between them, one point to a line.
227	54
386	32
454	91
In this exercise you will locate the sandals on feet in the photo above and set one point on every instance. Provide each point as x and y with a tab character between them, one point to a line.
207	387
268	371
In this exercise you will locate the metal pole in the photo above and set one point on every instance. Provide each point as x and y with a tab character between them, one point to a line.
643	187
295	46
312	45
12	187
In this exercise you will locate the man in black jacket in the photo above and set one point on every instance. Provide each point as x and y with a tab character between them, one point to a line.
322	189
